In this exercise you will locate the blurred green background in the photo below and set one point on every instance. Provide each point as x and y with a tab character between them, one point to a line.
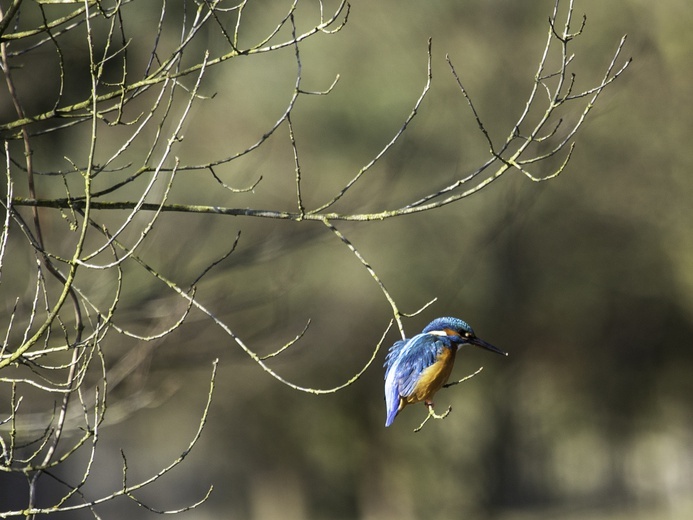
586	280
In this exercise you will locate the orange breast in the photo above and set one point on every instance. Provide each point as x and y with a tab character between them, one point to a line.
434	377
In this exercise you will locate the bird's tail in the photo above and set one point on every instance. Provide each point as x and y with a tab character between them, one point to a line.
391	396
391	404
391	416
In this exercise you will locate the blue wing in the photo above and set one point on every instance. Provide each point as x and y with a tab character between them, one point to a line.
412	358
404	364
393	354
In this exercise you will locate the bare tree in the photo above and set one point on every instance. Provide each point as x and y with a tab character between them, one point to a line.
76	223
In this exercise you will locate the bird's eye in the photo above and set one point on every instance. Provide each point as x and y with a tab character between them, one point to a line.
468	335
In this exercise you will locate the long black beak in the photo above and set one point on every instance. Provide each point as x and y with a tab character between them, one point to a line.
478	342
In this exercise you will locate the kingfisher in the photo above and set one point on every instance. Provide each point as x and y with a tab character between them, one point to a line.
416	368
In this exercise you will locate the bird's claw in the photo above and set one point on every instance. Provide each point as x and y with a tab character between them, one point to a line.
432	413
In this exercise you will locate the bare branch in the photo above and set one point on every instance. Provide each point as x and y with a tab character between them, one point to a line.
116	113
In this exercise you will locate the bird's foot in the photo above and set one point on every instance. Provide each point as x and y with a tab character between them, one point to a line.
432	414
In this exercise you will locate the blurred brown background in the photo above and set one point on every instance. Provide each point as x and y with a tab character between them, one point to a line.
586	280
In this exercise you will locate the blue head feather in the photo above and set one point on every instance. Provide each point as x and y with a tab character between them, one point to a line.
455	324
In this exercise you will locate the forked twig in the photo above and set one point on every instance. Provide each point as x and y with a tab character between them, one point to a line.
429	405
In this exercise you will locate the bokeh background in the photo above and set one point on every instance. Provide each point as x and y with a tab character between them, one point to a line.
586	280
